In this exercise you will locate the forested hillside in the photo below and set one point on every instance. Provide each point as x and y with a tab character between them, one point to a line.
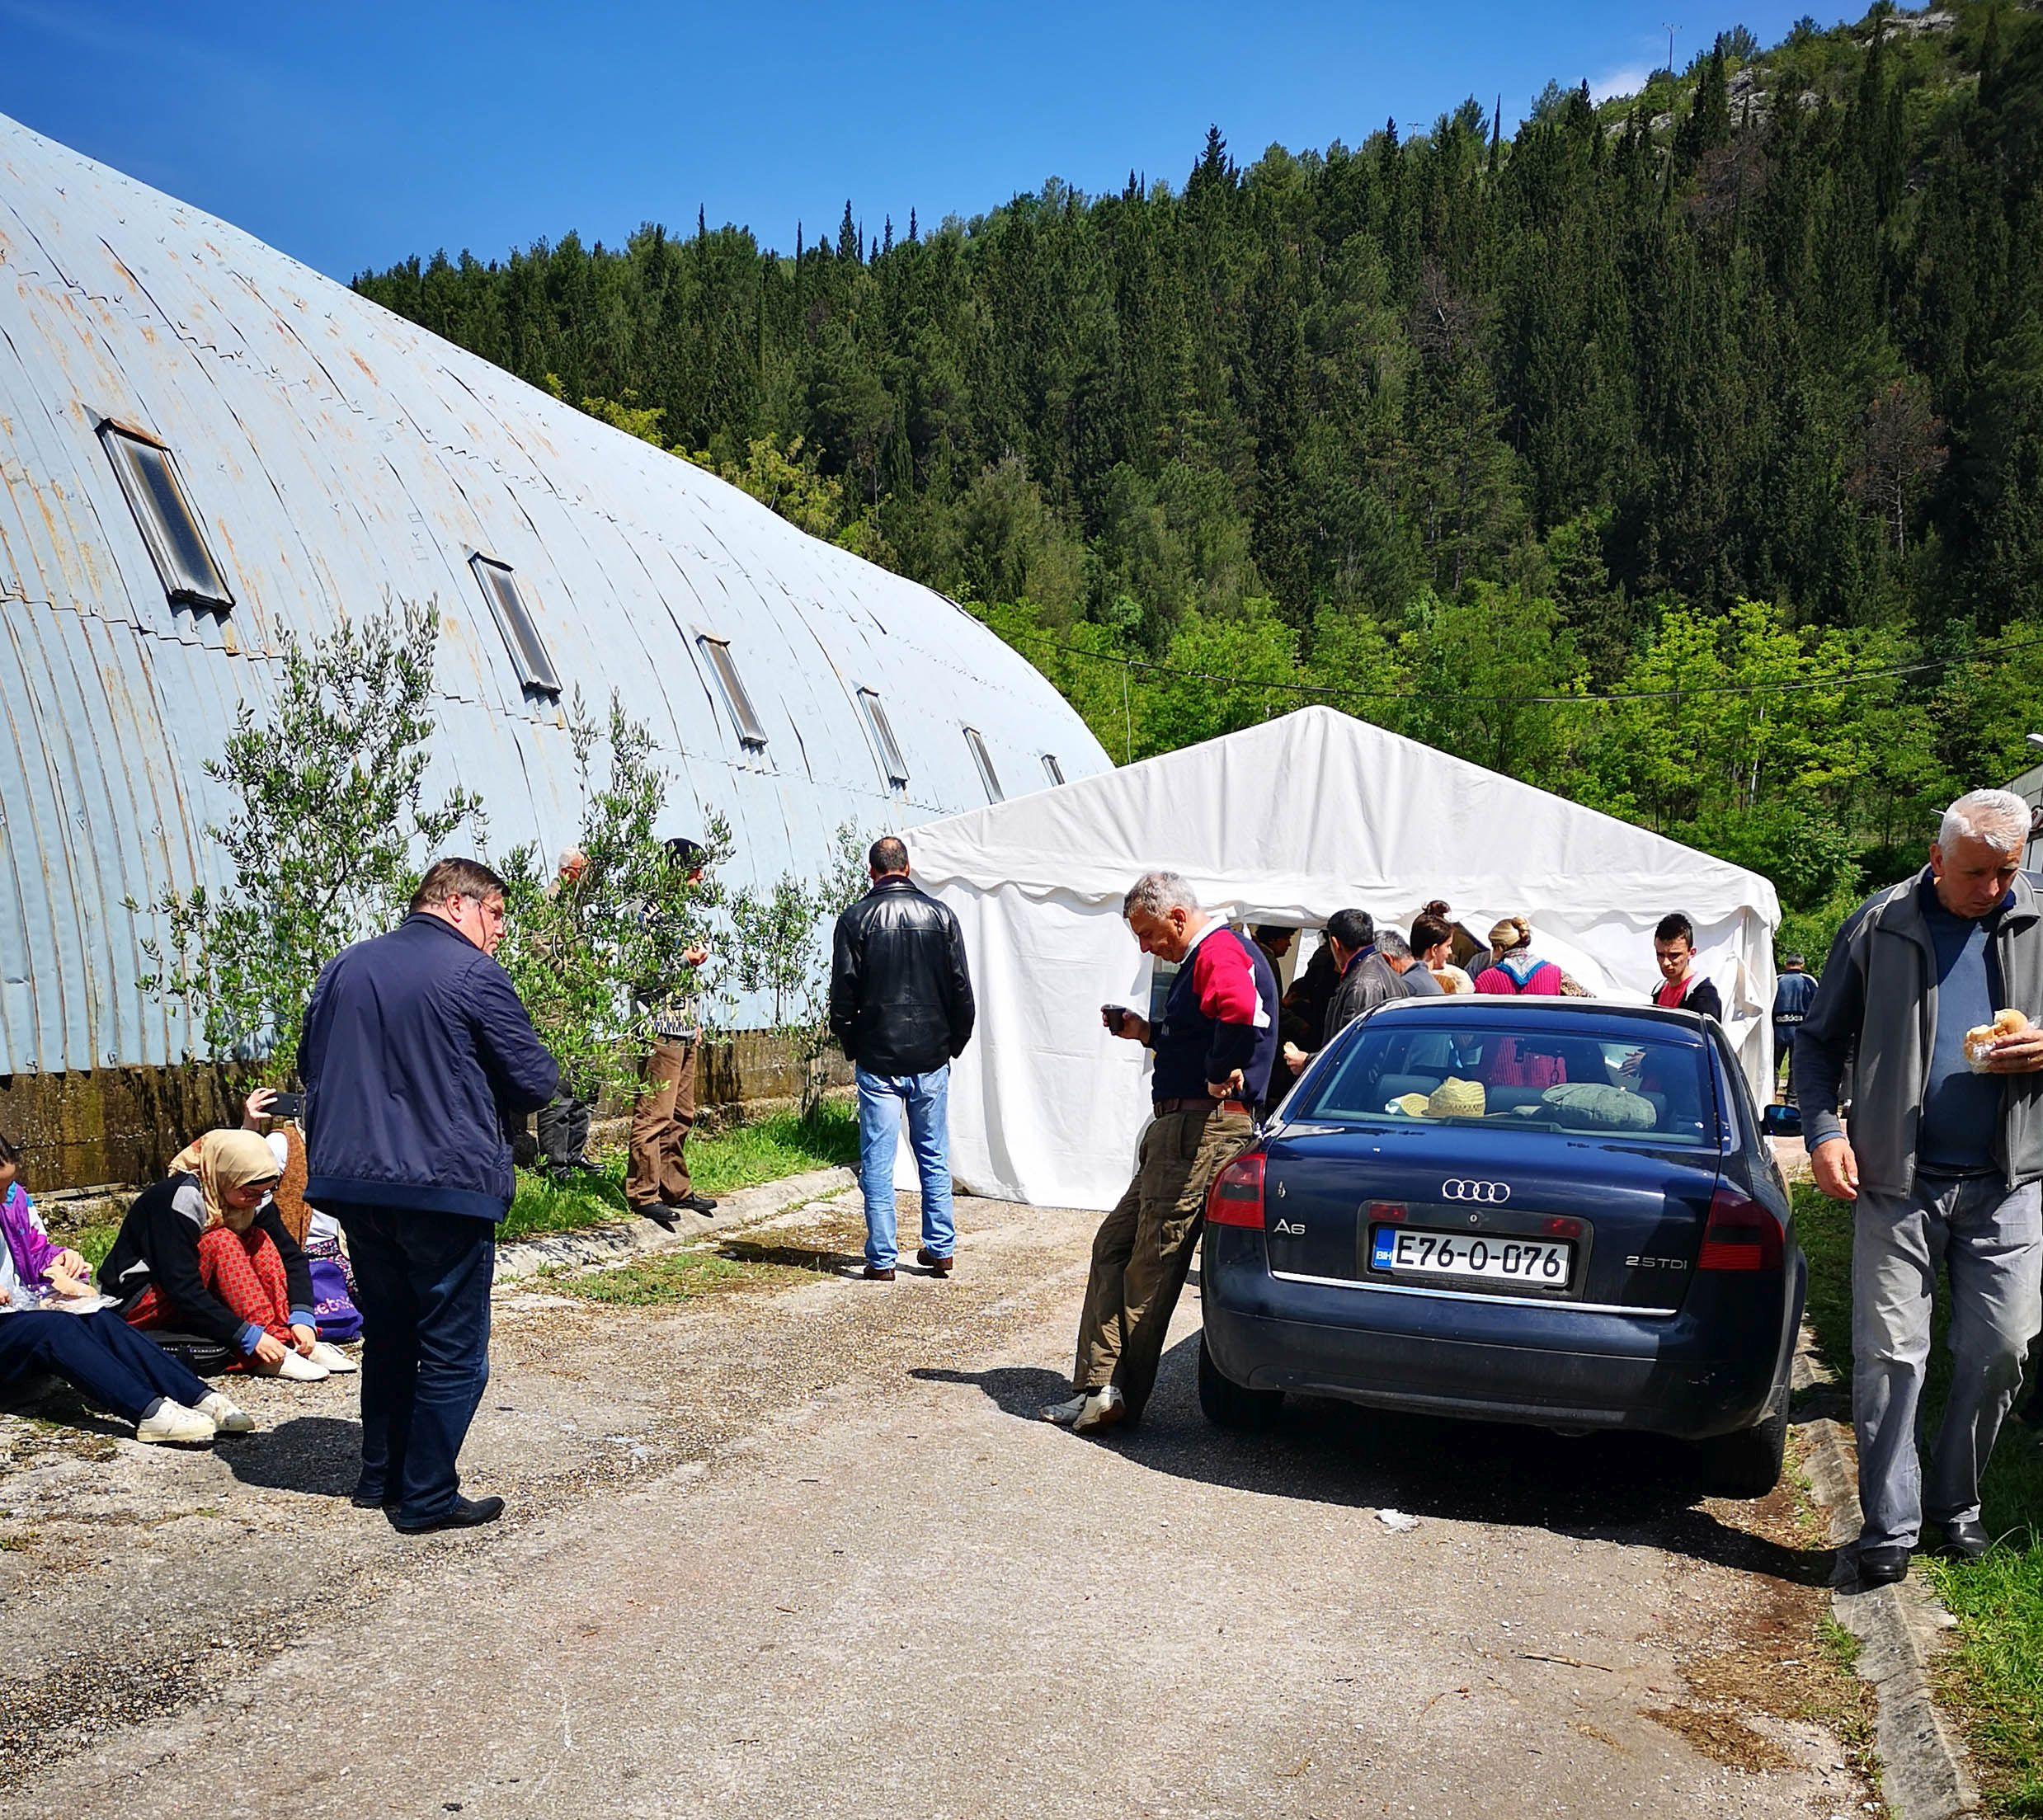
1684	454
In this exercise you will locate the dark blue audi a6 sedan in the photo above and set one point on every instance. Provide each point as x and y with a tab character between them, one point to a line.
1555	1212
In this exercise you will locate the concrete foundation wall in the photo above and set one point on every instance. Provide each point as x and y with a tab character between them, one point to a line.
111	1127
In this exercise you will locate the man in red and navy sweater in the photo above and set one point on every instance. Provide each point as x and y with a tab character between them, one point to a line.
1215	1045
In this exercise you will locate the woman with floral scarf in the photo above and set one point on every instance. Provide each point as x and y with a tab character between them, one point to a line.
205	1253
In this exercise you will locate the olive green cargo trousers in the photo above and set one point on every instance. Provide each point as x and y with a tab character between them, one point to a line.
1144	1248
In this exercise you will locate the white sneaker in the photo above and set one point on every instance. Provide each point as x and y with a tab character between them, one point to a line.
1104	1408
333	1357
175	1425
301	1369
1064	1414
229	1419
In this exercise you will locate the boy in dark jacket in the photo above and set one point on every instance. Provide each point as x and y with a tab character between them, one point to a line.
416	1052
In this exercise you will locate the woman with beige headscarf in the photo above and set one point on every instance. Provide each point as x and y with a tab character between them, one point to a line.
204	1254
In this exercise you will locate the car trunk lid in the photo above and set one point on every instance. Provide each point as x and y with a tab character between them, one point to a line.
1631	1215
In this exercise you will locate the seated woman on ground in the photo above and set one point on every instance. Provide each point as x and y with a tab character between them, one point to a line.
203	1253
336	1318
53	1321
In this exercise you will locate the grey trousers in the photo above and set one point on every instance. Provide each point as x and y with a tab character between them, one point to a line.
1989	1242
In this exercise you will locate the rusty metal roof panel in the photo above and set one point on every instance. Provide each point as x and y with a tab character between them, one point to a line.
339	460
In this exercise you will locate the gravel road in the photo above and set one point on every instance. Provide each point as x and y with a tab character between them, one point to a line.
798	1549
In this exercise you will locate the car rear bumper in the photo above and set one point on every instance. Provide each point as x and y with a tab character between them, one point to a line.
1692	1374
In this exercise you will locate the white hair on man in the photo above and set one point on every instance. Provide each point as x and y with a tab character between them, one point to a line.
572	857
1157	894
1998	817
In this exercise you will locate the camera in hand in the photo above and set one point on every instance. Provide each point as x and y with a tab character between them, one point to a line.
287	1106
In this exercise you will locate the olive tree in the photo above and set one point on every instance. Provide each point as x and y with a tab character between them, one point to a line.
328	824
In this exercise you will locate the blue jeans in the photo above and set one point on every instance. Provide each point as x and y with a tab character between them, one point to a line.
926	1100
422	1280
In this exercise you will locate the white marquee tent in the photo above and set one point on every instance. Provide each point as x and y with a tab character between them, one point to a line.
1285	822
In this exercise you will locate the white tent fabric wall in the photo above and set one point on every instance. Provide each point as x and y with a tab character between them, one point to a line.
1284	822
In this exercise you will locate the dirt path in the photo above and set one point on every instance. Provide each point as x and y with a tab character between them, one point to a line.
800	1551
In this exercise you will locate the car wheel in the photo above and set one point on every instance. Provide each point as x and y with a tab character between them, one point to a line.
1227	1404
1748	1464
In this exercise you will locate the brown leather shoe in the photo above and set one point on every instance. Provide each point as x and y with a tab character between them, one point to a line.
936	1266
874	1274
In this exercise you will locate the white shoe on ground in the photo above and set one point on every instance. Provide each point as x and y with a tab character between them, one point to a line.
1064	1414
1104	1408
229	1417
300	1368
332	1356
175	1425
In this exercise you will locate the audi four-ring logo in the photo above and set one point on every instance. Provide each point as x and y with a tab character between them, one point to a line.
1493	1193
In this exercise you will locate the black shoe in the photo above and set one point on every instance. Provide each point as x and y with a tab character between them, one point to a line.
658	1213
697	1203
463	1513
1964	1540
372	1501
1882	1566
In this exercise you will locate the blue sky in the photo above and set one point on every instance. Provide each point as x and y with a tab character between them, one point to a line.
351	135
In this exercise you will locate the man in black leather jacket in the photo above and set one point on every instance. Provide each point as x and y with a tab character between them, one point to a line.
900	1003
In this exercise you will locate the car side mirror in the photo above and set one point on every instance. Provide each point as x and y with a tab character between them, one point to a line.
1781	1120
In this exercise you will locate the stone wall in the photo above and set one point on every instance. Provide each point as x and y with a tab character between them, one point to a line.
112	1126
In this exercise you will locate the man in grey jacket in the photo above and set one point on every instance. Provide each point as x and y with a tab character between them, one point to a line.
1942	1158
1365	980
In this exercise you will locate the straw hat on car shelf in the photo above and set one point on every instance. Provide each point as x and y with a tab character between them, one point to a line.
1454	1097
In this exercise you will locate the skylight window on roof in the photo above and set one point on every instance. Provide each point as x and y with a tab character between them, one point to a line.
984	759
149	476
750	731
1051	768
891	761
514	619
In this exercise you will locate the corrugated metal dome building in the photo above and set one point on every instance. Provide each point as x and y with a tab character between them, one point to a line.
204	445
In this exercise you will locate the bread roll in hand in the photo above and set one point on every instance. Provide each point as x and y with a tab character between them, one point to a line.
1980	1039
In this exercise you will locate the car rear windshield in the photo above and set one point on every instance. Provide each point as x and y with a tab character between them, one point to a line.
1396	1072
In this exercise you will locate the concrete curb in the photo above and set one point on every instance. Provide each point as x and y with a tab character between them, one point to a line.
593	1247
1900	1630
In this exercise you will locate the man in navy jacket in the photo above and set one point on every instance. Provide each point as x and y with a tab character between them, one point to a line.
416	1052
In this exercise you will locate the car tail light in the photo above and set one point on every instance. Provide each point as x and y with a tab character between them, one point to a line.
1387	1213
1560	1227
1741	1235
1235	1198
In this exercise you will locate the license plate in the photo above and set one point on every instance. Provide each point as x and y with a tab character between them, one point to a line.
1541	1263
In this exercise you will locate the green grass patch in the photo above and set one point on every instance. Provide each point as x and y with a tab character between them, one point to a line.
652	1282
744	1155
1841	1642
739	1156
1997	1678
92	1243
1993	1680
593	1199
